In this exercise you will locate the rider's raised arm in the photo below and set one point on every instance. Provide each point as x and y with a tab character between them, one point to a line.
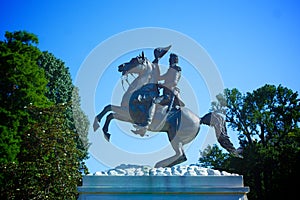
156	73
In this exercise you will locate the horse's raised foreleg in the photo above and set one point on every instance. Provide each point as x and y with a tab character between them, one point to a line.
122	116
121	113
179	156
105	110
98	118
106	125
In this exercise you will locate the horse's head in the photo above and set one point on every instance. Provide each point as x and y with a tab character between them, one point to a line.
136	65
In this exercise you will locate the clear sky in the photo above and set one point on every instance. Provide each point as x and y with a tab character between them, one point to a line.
252	43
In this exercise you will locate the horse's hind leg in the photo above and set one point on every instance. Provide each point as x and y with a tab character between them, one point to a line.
179	156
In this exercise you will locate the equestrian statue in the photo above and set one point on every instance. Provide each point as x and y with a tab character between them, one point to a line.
144	107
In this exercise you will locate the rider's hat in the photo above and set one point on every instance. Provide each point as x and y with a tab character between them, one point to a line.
161	51
173	55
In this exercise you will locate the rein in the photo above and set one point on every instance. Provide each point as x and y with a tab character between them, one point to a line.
125	78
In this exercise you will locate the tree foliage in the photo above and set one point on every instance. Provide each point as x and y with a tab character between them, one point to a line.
42	150
22	83
213	157
267	123
59	84
61	90
48	162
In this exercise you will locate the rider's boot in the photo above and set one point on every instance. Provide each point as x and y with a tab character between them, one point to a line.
162	100
180	102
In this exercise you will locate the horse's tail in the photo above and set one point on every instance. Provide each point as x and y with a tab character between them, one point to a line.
216	120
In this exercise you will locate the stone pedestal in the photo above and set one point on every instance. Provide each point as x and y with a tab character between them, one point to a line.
163	187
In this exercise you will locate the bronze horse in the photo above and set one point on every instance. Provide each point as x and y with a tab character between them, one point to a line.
181	124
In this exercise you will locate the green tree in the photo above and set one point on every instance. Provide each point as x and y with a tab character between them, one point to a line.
49	160
213	157
42	148
267	123
80	124
60	84
22	83
61	90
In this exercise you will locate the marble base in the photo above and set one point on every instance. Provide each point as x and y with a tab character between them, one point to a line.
162	187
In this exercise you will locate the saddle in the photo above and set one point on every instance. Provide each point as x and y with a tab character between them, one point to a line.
142	99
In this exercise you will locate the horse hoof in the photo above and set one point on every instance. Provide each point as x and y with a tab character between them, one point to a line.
158	165
181	159
96	124
107	136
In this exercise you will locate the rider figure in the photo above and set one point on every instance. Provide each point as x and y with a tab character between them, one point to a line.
171	79
170	92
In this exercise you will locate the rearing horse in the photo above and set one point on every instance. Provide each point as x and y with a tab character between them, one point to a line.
181	125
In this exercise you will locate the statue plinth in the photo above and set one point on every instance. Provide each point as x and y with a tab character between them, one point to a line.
155	186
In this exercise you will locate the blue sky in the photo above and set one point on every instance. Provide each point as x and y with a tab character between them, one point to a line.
252	43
